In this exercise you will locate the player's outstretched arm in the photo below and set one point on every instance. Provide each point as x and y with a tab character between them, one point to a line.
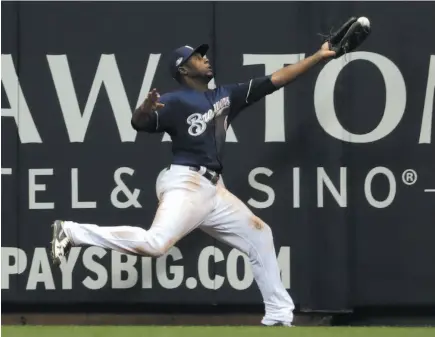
287	74
143	118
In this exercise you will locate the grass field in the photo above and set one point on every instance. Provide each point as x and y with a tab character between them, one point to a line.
175	331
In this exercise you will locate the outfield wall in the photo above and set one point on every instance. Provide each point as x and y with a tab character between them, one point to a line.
341	164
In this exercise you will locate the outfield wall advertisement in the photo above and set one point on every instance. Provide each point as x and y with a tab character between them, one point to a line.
340	164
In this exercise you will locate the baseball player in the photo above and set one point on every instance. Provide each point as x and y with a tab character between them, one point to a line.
190	192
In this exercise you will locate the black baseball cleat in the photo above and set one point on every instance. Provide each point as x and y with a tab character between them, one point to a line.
60	244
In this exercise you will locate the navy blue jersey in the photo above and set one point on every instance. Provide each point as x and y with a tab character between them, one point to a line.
197	121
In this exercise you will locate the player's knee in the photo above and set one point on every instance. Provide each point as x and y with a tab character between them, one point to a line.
161	249
158	243
153	248
158	253
260	225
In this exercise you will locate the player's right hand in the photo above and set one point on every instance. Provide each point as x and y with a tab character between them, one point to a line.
151	102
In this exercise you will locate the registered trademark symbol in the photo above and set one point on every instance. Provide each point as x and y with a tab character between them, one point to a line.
409	177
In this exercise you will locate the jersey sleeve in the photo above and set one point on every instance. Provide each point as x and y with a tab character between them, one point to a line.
239	93
242	95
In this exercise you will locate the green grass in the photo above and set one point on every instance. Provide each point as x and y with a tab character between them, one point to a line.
175	331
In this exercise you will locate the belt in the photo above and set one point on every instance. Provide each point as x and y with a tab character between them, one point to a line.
213	177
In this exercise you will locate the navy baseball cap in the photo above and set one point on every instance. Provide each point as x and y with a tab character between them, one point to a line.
180	56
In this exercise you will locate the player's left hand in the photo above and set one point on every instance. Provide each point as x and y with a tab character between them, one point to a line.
151	103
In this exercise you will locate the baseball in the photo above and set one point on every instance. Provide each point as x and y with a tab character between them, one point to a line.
364	21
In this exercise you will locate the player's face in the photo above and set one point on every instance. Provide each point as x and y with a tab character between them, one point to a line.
199	66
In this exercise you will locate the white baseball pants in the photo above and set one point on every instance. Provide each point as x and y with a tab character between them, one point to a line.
187	201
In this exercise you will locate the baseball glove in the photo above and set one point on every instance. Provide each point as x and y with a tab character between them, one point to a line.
349	36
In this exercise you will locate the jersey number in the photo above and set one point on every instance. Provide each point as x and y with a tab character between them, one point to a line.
197	125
